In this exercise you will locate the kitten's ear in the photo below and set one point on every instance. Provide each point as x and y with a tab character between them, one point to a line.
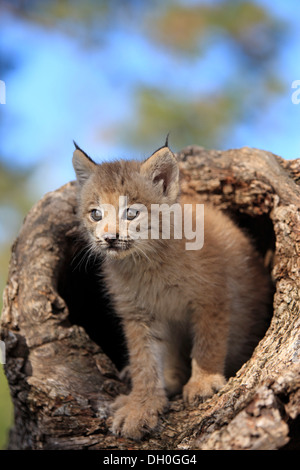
162	169
83	165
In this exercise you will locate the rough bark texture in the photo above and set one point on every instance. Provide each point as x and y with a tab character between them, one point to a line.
63	343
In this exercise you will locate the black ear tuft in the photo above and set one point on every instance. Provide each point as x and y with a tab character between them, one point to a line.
76	146
167	140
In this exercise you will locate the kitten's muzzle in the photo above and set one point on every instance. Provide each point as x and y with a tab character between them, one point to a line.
111	238
115	242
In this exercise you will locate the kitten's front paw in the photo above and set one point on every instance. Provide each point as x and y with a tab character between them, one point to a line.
199	389
125	375
133	419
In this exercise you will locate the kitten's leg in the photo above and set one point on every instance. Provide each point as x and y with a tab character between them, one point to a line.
138	412
208	354
177	348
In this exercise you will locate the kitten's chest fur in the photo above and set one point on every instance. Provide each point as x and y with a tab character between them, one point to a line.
156	289
223	279
163	286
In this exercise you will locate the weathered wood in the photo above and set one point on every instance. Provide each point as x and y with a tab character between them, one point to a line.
63	342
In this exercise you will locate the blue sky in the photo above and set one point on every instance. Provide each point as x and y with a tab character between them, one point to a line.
62	91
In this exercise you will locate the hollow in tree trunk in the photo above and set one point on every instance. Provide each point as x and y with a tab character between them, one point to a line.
64	345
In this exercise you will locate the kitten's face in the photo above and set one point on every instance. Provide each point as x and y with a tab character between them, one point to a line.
115	200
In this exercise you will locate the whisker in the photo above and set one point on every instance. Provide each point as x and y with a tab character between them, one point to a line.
88	252
75	258
142	252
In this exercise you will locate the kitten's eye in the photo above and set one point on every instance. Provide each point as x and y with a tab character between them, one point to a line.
132	213
96	215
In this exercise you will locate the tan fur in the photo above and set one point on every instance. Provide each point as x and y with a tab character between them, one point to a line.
189	316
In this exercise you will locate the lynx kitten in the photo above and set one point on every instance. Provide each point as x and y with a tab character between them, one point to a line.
191	317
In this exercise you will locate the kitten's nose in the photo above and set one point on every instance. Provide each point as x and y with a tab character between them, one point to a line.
111	238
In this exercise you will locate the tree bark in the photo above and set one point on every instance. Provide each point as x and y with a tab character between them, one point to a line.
64	345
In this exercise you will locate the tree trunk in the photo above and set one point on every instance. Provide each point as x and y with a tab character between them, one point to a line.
64	345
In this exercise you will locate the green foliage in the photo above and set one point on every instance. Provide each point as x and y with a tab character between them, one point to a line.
187	33
6	410
186	121
13	190
184	33
183	28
